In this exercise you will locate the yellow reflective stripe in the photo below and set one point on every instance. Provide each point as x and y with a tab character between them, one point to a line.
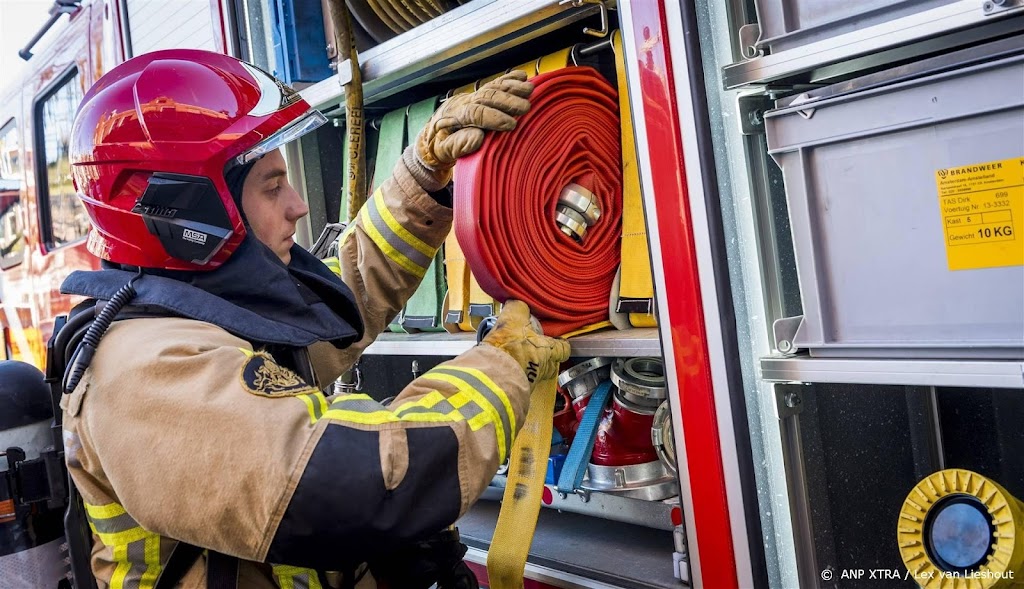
152	551
316	405
333	264
352	397
286	574
104	511
123	566
490	411
248	353
478	422
494	388
450	412
406	236
135	550
382	417
125	538
309	407
427	402
394	255
375	413
375	418
346	233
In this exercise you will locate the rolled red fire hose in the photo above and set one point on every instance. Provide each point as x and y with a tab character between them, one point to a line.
507	193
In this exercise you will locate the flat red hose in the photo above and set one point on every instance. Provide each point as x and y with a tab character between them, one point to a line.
506	195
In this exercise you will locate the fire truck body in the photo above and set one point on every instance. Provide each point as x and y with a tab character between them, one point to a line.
43	225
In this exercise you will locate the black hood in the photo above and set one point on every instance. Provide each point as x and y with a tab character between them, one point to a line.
253	295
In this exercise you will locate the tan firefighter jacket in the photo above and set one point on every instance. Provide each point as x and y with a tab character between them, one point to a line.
182	431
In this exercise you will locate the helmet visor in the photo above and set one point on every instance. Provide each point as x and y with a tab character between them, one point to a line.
309	122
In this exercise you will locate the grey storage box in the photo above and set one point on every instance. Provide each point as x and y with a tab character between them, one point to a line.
888	266
786	24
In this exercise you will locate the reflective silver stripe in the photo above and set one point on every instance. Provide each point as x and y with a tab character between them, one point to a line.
296	577
318	410
414	255
137	561
487	393
471	410
113	525
360	405
442	407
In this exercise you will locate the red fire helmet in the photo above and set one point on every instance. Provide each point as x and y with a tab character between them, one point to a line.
152	141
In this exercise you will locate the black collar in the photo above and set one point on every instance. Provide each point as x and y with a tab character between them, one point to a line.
253	296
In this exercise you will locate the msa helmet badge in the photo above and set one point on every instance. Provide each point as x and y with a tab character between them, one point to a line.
194	236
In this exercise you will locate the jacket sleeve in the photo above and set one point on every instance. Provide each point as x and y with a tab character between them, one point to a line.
382	256
212	443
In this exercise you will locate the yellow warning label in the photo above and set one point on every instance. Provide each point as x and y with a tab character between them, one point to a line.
982	208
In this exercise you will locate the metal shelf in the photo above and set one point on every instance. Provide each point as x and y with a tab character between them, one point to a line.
573	550
545	575
946	27
627	343
649	514
946	373
455	39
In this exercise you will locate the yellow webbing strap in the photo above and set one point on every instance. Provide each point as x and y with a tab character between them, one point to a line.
456	300
637	282
517	520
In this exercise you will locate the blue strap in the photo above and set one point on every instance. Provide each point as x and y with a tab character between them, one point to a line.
583	444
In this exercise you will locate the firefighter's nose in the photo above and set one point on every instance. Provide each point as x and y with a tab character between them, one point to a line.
297	207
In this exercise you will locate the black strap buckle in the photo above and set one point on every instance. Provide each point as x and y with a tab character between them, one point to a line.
34	481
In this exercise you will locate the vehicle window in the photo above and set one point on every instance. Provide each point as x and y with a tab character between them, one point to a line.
182	24
67	220
12	224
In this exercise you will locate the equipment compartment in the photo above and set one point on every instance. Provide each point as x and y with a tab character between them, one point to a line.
788	24
890	262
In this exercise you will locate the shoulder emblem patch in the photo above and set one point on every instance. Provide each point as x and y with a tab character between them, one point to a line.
264	377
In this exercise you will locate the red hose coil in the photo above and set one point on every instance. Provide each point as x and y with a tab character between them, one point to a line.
506	195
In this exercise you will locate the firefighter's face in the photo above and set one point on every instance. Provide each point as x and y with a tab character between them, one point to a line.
272	205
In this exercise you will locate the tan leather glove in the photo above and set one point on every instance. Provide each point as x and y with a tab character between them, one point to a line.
538	354
458	127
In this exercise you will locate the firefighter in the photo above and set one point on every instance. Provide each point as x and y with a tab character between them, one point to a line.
196	418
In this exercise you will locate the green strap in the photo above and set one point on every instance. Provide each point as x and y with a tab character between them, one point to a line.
390	143
423	311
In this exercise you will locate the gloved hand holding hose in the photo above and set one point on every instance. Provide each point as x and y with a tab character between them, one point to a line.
519	335
458	127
